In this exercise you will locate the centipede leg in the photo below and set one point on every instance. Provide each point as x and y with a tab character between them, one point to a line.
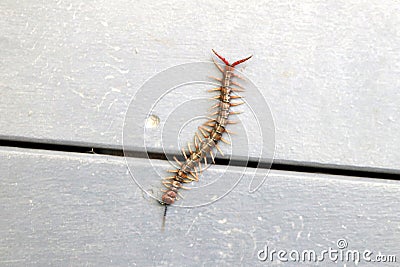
237	84
177	161
169	178
229	132
210	124
236	104
214	106
203	133
237	89
215	78
194	176
167	186
218	66
211	119
186	188
196	144
184	153
238	76
212	157
205	129
188	180
190	148
198	136
219	149
214	89
225	141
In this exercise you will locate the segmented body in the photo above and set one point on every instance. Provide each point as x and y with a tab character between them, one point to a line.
211	132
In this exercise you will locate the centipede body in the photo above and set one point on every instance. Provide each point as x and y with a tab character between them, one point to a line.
209	135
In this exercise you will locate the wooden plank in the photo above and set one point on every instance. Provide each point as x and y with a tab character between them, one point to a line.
329	70
80	209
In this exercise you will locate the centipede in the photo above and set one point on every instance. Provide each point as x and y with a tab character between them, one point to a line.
209	135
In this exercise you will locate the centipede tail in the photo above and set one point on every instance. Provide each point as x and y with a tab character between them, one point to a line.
209	135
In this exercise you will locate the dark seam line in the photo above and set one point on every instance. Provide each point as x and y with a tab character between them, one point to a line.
218	161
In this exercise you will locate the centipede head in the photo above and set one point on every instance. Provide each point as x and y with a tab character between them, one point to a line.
234	63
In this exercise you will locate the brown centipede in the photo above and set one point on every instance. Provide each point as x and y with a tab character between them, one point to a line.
209	134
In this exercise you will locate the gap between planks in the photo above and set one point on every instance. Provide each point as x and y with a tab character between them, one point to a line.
281	165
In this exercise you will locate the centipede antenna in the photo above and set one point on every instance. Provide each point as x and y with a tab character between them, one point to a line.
222	58
165	211
240	61
164	219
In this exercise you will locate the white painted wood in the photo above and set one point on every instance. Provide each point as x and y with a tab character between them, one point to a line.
80	209
330	71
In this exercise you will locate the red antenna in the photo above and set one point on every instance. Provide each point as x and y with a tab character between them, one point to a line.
222	58
226	61
241	61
